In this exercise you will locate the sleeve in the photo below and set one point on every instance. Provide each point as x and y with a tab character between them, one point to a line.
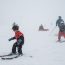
12	38
56	22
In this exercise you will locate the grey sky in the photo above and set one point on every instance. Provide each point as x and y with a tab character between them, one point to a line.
31	11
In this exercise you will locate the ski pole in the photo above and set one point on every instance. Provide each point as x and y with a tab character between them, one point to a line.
53	29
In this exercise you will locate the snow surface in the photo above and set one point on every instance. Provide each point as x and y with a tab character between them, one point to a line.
29	14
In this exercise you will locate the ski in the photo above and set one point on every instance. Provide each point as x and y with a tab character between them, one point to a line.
60	41
16	56
6	55
10	58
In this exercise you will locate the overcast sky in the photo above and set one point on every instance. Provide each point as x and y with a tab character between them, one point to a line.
31	12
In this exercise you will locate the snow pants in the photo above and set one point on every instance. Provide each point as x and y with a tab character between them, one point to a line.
18	45
19	48
61	34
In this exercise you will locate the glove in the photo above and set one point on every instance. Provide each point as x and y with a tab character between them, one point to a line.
12	38
9	39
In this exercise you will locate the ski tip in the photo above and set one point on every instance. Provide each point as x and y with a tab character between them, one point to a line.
6	58
3	58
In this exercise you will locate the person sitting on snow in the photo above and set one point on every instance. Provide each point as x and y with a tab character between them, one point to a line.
41	28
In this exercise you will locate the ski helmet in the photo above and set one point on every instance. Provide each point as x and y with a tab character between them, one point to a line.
60	17
15	26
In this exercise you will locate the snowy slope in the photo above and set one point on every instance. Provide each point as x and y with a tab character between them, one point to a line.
42	47
29	14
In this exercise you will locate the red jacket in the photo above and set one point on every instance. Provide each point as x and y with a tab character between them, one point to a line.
18	34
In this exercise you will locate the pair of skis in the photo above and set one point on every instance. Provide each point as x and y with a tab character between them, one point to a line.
9	57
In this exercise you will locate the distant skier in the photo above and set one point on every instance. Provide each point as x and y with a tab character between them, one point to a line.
61	25
19	40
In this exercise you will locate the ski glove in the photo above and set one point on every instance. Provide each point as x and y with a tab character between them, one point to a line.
9	39
12	38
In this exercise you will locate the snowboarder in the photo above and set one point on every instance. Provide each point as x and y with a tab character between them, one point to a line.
19	40
61	25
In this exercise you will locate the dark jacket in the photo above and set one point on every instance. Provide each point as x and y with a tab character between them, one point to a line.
58	22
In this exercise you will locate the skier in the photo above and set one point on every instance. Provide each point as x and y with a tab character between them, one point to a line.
61	25
19	40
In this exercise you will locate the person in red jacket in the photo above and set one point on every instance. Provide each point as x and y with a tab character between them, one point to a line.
19	40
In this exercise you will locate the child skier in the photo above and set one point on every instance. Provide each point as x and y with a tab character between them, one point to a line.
19	40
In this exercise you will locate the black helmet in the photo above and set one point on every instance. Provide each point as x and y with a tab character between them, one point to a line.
60	17
15	27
